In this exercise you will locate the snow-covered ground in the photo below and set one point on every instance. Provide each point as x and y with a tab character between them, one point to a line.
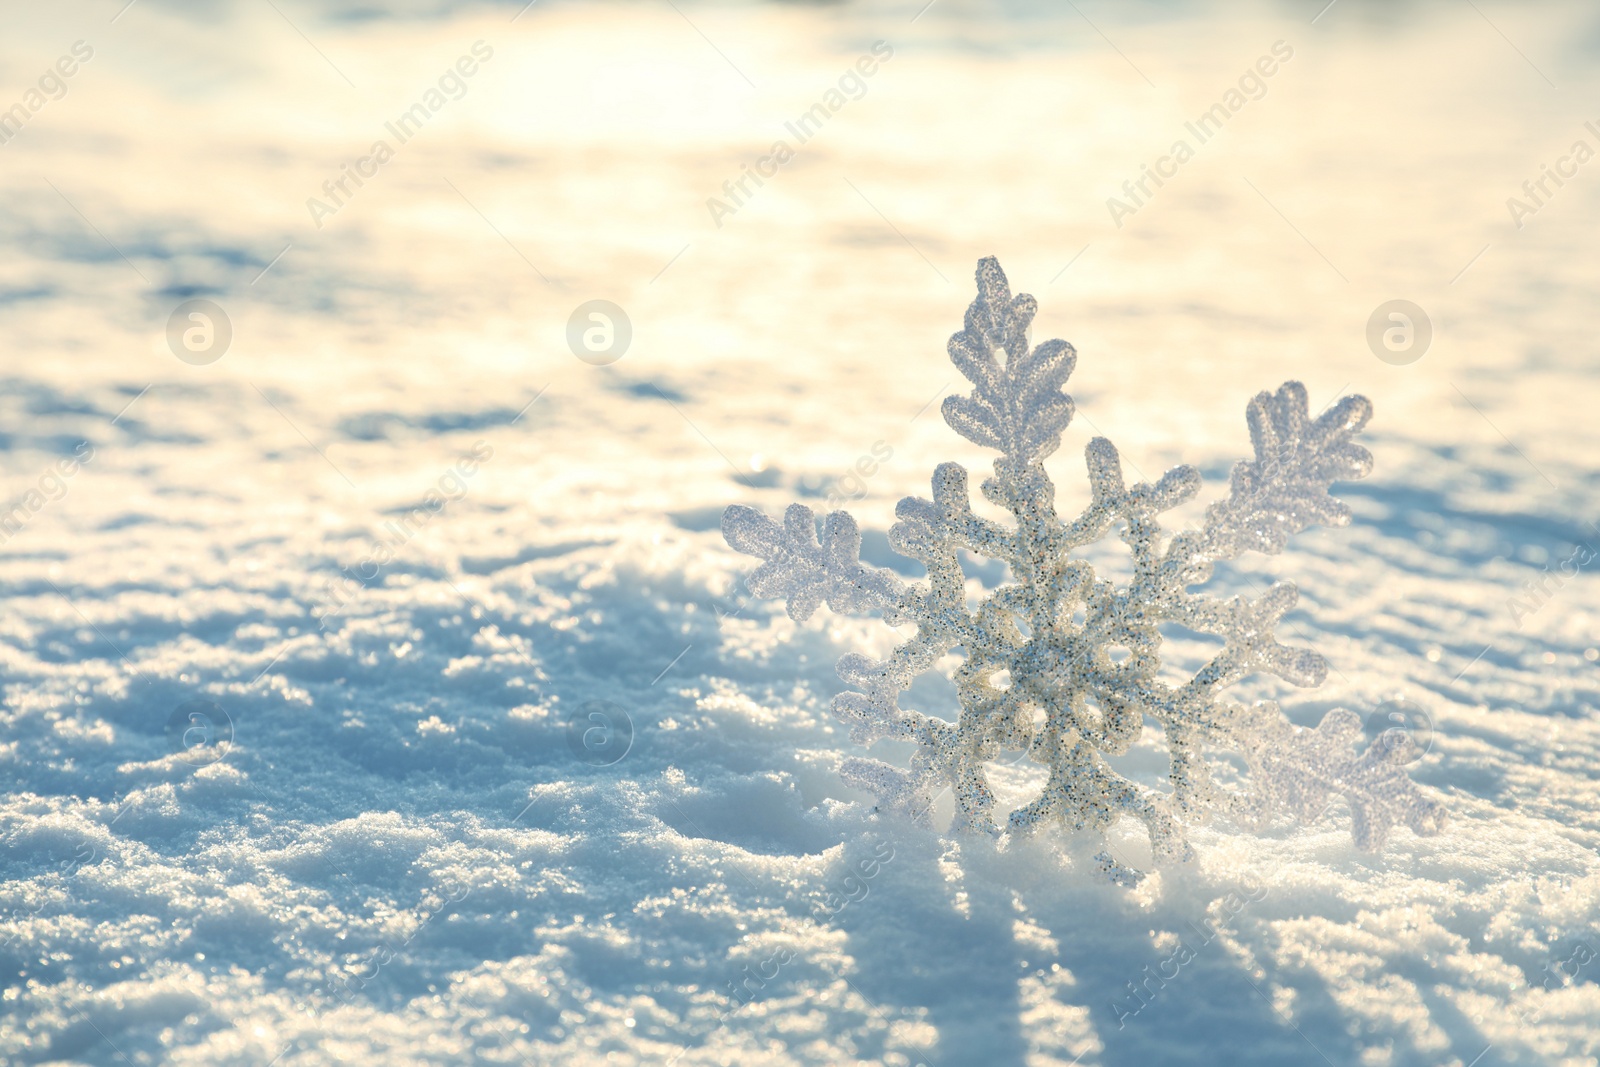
405	854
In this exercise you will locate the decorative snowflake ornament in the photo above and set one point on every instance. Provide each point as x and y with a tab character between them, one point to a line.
1063	663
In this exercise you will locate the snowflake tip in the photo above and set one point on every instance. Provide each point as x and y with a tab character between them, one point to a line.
747	530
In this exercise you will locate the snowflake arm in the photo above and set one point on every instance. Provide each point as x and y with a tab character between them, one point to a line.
805	571
1285	488
1297	771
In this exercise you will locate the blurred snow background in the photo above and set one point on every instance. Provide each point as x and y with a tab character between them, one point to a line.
399	858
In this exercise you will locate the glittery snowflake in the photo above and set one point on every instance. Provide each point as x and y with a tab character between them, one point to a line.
1063	663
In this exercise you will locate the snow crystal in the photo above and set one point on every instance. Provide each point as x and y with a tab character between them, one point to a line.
1062	671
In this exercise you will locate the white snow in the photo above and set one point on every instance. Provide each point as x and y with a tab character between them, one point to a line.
401	858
